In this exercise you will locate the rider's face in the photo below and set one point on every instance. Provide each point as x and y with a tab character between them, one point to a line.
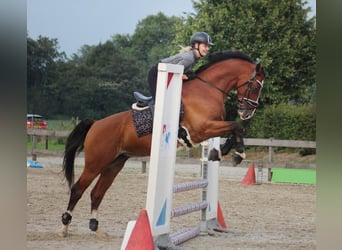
203	48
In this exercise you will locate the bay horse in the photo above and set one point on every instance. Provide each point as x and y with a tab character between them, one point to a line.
109	142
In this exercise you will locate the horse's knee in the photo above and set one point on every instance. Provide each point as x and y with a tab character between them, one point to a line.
238	128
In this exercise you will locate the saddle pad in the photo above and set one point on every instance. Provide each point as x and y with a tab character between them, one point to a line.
143	121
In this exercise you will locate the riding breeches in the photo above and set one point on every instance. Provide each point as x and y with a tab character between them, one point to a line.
152	80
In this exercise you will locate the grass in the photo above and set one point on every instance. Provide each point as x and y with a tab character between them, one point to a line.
55	143
61	124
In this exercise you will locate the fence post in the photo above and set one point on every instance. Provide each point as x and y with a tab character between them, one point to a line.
34	146
143	167
270	152
46	142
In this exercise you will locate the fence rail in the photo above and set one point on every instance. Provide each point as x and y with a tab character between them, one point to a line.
278	143
49	133
270	143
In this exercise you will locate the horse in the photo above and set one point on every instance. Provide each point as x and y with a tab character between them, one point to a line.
109	142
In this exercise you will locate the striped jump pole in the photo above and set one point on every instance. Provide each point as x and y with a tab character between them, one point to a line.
209	199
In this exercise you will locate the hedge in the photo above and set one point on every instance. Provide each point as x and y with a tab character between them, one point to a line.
284	122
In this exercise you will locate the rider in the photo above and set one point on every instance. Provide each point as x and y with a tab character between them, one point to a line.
200	44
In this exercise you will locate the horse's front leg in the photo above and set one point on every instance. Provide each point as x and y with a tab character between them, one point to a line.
224	128
239	153
228	145
235	140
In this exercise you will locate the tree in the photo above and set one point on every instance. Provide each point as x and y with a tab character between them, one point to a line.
153	37
98	80
42	58
275	31
116	69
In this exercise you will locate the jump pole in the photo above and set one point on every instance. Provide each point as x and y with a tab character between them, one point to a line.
208	204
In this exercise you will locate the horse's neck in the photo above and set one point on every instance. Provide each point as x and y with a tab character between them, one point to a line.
221	76
218	80
225	75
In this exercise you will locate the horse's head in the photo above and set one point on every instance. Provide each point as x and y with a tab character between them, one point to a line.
223	73
249	93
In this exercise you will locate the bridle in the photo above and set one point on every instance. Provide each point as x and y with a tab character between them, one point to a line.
245	99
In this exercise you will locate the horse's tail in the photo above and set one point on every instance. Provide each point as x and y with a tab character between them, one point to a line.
74	144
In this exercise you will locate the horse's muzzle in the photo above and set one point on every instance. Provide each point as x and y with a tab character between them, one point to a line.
246	113
246	108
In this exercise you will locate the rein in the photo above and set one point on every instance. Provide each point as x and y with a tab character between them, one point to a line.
213	86
221	90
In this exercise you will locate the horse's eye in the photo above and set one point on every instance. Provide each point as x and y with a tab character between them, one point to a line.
255	88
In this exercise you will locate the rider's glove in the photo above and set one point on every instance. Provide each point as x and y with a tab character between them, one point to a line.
190	74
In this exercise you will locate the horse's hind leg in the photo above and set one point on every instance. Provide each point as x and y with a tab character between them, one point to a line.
76	193
104	182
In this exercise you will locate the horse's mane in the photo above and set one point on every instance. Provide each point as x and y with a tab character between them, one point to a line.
223	55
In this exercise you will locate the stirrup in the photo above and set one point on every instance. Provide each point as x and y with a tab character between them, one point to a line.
143	101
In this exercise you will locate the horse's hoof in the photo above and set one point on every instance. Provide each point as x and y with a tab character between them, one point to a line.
214	155
101	234
93	224
237	158
63	232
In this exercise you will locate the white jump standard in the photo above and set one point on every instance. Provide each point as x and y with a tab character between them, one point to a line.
161	187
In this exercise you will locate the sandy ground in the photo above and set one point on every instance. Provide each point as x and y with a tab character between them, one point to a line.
267	216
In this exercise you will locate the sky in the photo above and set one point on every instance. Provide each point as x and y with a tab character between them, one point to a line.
88	22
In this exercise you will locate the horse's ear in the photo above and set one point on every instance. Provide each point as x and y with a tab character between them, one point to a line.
258	67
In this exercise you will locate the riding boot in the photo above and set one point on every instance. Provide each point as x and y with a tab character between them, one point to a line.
151	105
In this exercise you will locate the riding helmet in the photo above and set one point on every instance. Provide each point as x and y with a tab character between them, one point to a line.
200	37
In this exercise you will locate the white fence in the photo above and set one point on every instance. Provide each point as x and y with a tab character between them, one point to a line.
270	143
